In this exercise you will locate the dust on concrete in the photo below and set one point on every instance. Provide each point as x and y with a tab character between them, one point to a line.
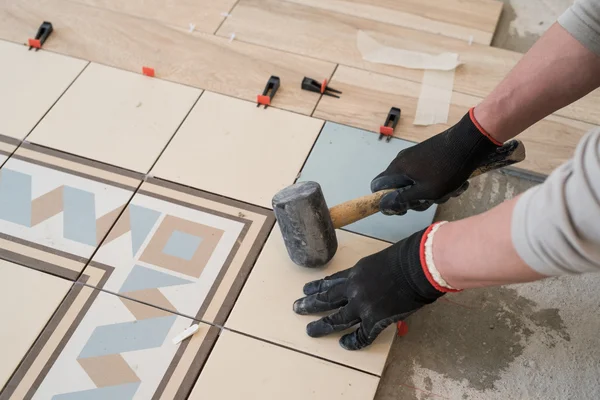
471	338
522	22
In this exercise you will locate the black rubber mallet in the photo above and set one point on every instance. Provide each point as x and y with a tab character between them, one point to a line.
308	225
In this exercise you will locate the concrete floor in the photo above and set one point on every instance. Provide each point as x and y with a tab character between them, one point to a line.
528	341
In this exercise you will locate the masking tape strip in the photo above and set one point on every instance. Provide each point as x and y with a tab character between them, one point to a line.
434	101
375	52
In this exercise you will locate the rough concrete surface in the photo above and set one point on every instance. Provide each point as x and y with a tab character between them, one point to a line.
530	341
523	21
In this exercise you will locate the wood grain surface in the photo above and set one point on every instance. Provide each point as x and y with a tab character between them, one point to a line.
331	36
204	15
197	59
473	20
368	98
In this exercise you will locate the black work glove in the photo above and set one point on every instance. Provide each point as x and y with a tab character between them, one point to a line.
438	168
379	290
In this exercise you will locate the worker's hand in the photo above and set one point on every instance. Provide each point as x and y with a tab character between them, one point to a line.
436	169
379	290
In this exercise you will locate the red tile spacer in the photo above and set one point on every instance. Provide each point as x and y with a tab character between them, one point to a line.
148	71
264	100
35	43
386	130
401	328
323	86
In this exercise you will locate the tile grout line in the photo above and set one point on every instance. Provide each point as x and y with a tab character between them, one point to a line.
288	52
91	257
321	96
148	174
300	351
224	328
43	329
24	140
225	17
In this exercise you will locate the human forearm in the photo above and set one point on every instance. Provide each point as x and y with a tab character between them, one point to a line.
478	251
555	72
552	229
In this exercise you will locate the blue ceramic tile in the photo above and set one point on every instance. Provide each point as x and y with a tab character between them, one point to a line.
343	161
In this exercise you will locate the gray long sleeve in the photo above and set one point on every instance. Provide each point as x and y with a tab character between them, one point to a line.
556	225
582	21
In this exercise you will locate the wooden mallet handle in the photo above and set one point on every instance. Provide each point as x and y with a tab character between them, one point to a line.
357	209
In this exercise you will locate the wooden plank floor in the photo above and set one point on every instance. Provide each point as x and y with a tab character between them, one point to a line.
202	60
205	15
297	38
331	36
462	19
368	97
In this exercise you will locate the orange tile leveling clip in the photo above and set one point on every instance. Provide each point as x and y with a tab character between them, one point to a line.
269	92
40	37
387	129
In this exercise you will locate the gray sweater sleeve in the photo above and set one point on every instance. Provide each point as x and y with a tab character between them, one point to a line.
556	225
582	20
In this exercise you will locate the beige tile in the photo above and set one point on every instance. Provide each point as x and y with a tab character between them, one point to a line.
264	309
244	368
28	298
30	82
233	148
123	36
117	117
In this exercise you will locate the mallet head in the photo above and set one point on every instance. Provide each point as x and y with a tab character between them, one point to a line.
305	223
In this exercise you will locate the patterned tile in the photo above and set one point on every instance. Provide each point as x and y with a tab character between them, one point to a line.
30	82
28	298
255	152
55	209
101	346
7	147
343	161
116	117
184	250
283	374
264	308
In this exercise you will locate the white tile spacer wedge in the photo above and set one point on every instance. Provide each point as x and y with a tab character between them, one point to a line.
186	334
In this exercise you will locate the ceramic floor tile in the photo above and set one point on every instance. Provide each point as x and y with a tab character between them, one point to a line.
30	82
279	374
7	147
117	117
184	250
343	161
264	308
233	148
101	346
28	298
55	208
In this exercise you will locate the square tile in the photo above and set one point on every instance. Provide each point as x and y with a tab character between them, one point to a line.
282	374
115	116
30	83
55	209
344	161
231	147
28	298
264	308
184	250
100	346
